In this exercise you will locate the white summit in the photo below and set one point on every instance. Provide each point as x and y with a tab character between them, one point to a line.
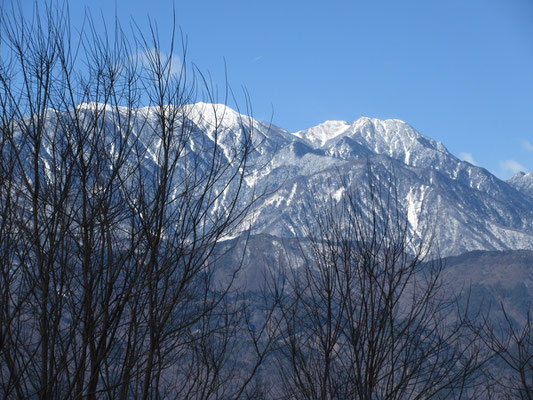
318	135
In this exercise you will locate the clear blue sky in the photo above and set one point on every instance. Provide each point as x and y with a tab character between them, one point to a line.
459	71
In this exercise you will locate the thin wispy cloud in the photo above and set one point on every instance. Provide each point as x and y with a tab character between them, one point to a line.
468	157
527	145
512	166
149	56
256	59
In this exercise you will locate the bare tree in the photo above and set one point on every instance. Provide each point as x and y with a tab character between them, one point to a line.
112	201
365	317
509	374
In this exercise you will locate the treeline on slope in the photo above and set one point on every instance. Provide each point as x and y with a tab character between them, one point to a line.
110	216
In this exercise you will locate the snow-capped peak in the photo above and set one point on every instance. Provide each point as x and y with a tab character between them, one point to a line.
522	182
321	133
518	175
213	115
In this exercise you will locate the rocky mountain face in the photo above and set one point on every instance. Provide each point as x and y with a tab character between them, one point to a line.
464	206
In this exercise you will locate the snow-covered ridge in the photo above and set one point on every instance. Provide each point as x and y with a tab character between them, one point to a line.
522	182
391	137
321	133
369	128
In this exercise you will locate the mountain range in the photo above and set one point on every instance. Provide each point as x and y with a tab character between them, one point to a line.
464	206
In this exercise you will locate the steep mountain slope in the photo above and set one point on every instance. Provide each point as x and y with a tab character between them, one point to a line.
467	207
